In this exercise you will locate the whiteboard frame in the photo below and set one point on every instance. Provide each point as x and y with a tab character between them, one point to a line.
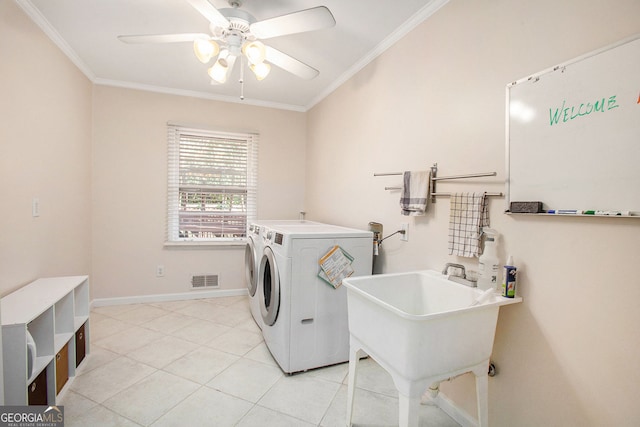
508	117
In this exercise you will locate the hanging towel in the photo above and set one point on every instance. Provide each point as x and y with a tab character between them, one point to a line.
415	192
469	213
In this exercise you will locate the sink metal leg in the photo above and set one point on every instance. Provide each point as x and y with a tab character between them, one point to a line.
482	392
354	357
409	410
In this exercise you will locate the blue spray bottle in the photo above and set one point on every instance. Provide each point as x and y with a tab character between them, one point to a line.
509	279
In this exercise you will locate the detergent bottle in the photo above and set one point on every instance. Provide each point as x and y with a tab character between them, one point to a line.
489	264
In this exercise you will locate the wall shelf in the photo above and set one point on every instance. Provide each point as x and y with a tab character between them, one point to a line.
545	214
53	311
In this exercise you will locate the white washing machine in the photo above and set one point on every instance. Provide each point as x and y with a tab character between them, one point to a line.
253	248
253	254
305	318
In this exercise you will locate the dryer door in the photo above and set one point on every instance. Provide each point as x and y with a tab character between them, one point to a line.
269	279
250	267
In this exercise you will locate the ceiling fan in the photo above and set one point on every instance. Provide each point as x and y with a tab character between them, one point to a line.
235	33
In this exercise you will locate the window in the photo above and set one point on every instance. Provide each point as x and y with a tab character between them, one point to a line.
212	184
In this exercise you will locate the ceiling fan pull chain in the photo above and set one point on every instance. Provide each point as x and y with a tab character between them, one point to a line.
242	77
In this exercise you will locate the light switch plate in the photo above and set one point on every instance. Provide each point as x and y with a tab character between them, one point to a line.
35	207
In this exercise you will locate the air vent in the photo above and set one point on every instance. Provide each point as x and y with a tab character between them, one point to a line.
204	281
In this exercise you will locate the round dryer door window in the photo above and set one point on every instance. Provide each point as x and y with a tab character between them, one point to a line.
270	282
250	267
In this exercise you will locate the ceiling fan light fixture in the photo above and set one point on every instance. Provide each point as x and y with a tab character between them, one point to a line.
261	70
205	49
237	33
218	72
254	51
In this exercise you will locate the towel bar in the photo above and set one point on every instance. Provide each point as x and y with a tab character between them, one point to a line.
434	178
446	194
442	178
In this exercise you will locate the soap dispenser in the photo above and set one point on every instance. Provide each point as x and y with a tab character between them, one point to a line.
489	264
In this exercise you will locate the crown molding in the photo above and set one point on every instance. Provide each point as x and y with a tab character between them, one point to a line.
197	94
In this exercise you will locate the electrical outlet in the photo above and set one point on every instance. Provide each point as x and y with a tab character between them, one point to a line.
160	271
404	236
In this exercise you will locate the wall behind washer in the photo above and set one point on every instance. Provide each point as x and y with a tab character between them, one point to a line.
129	175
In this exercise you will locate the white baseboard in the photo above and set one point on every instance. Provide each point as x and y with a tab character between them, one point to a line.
459	415
217	293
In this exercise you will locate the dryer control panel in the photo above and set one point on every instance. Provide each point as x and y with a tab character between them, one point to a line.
278	239
275	237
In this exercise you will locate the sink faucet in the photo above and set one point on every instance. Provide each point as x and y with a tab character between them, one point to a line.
445	271
459	279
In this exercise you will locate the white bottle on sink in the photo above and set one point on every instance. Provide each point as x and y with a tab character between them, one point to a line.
489	264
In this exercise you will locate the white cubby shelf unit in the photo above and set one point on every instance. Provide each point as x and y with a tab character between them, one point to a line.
53	311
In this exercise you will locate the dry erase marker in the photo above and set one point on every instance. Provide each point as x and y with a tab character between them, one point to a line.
608	213
568	212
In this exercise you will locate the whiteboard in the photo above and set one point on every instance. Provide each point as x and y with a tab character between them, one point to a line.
573	132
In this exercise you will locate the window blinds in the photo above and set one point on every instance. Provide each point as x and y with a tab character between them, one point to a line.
212	183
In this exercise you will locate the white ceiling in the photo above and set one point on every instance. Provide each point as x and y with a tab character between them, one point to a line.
87	30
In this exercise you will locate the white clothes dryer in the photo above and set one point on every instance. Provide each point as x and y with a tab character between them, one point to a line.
253	254
305	318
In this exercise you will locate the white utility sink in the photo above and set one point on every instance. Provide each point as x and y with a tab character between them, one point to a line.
422	328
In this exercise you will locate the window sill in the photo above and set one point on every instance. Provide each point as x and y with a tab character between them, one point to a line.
206	244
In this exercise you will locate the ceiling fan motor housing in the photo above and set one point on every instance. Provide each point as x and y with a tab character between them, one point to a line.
240	20
238	31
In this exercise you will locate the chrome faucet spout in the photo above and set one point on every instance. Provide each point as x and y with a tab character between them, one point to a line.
445	271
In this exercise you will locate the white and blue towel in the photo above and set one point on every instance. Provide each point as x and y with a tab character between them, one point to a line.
415	192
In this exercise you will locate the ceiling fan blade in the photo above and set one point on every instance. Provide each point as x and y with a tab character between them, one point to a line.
212	14
290	64
164	38
297	22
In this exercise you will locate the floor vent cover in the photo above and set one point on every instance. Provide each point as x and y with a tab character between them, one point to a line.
204	281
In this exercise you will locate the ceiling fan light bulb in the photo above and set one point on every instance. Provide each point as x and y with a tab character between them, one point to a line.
254	51
223	58
218	72
205	49
261	70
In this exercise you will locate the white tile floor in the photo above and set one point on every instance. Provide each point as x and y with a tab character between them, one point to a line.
204	363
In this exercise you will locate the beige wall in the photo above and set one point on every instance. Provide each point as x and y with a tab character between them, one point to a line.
130	187
45	140
567	356
95	157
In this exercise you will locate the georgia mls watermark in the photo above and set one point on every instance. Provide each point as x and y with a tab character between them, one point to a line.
32	416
